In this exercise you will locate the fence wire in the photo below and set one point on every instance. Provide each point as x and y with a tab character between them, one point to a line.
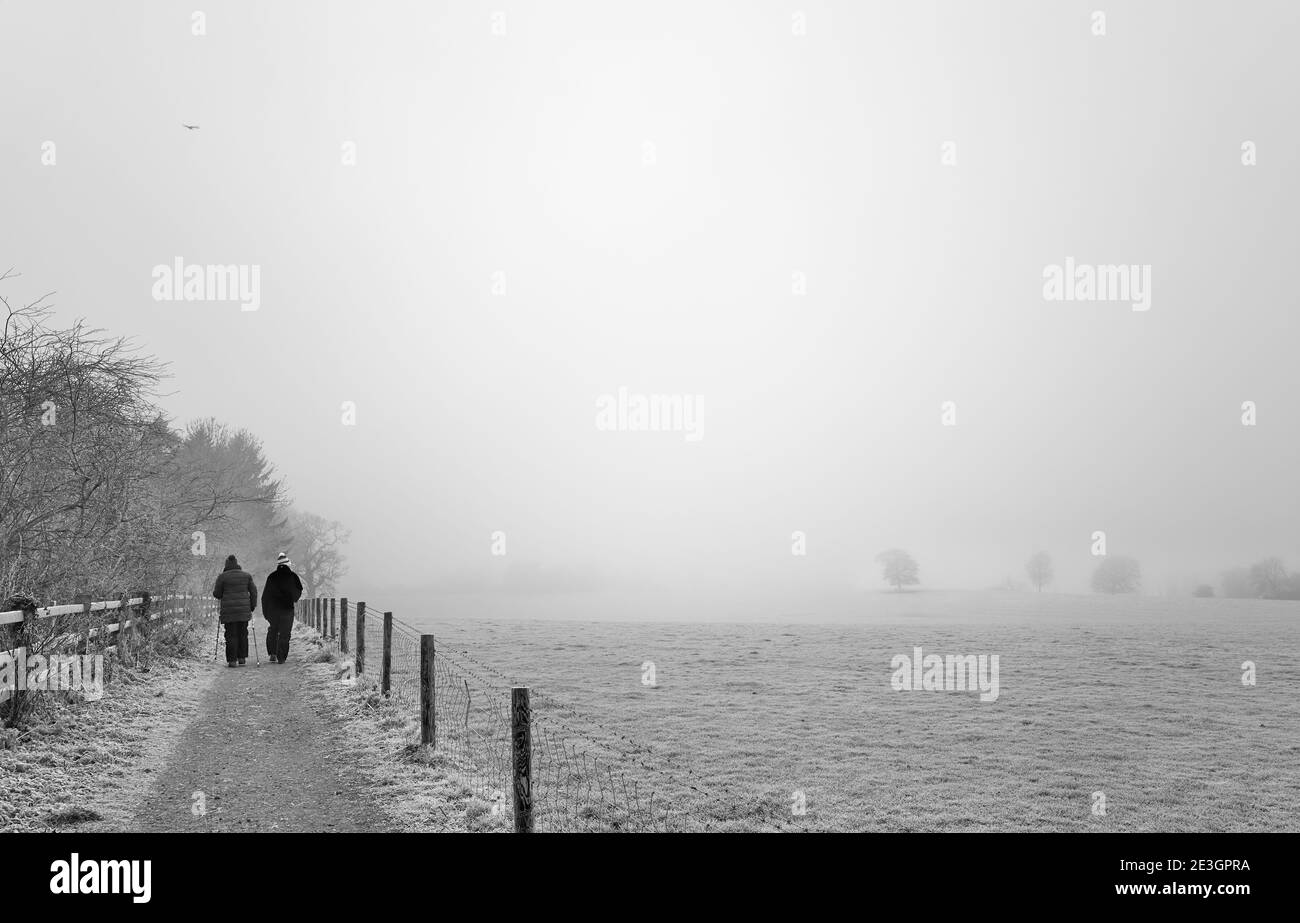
472	731
586	777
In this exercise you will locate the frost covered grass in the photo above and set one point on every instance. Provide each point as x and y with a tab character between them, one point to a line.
417	788
1137	698
83	765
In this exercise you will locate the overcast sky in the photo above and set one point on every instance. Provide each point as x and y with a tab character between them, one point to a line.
648	179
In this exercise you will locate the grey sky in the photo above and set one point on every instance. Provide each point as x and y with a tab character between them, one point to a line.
773	153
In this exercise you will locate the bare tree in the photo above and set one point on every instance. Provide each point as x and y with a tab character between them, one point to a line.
1268	578
83	460
1039	568
318	551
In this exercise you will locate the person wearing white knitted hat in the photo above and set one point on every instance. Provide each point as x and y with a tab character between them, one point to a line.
283	588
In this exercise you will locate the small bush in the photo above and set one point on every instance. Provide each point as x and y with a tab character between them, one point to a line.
175	637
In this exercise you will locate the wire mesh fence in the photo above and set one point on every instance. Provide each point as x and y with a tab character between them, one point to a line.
472	730
583	776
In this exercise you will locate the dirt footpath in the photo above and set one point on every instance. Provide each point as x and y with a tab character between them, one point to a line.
258	757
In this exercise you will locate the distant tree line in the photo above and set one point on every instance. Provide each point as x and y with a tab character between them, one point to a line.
101	495
1115	574
1266	579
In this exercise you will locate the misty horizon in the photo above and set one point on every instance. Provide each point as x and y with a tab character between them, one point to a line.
729	215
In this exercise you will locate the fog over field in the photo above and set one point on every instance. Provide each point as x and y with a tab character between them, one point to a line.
696	200
1140	697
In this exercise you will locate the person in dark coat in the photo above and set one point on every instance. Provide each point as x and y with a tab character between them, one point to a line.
238	594
281	590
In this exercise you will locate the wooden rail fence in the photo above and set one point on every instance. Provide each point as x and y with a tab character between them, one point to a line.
141	613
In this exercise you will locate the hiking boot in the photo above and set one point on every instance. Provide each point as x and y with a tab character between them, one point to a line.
230	663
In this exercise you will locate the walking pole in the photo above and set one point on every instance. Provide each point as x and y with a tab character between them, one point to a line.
257	655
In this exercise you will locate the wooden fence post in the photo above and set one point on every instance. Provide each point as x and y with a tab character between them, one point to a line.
20	638
145	600
428	715
343	624
334	603
386	672
122	612
86	612
361	638
521	758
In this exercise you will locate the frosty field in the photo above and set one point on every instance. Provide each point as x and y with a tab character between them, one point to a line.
1140	699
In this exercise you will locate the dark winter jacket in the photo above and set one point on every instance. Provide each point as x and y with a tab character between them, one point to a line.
238	594
281	590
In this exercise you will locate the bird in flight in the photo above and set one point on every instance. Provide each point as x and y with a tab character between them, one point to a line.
190	127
